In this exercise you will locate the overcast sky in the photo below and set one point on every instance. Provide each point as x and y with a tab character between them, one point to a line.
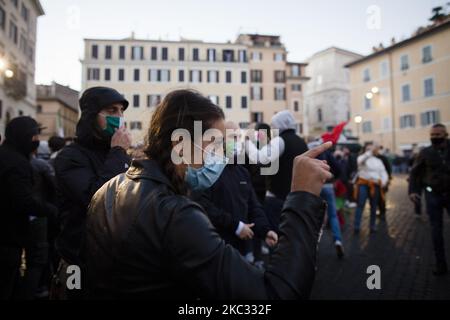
306	26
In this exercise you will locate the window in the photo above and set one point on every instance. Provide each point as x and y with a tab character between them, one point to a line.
31	53
257	116
404	62
406	93
243	77
214	99
319	115
121	75
280	76
153	75
153	100
107	74
256	93
165	54
384	69
181	54
136	100
94	51
278	57
15	3
122	52
195	76
24	12
427	54
2	18
137	53
137	75
366	75
212	76
93	74
296	87
296	106
154	53
135	125
242	55
180	75
108	52
407	121
280	93
387	124
429	117
23	44
244	102
211	55
1	109
367	103
228	56
165	75
228	102
195	55
428	87
295	70
228	76
367	126
257	56
256	76
13	32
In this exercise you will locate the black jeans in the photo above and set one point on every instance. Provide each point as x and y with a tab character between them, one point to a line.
9	271
436	203
36	257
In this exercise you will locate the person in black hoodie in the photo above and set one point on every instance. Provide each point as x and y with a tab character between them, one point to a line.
97	155
17	200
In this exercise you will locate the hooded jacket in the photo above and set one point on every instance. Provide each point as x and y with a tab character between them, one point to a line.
17	199
145	241
83	167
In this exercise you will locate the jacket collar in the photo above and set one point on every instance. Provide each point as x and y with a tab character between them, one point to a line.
147	169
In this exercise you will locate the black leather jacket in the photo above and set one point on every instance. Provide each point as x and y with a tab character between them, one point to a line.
145	241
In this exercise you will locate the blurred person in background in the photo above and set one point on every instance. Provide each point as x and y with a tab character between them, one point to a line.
372	178
431	173
17	199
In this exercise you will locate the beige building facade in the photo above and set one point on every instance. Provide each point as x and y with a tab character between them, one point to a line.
248	80
399	92
57	110
18	26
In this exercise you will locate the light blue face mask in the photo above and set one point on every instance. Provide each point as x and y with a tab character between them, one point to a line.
203	178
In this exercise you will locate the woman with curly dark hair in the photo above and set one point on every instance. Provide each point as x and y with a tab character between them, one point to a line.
147	239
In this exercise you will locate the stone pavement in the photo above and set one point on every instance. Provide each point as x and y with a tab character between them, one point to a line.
402	249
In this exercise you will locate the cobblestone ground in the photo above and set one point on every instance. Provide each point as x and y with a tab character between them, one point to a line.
401	248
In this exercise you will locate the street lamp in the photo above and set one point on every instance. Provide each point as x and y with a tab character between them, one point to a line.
375	90
2	64
369	95
9	73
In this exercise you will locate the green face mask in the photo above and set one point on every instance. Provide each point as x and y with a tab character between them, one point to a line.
112	123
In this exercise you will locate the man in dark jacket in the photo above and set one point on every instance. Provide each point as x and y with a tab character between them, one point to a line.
97	155
431	171
17	200
234	208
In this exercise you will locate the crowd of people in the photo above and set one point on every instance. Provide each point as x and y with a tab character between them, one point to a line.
141	225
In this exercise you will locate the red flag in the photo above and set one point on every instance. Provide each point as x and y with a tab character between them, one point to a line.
334	135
